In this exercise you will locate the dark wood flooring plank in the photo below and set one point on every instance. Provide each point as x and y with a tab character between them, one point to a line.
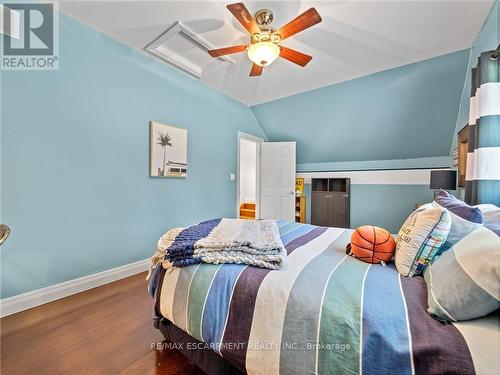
106	330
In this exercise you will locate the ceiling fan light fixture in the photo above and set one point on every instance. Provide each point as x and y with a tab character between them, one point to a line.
263	53
264	39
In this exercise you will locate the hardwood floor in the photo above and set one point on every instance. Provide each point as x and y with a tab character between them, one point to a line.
106	330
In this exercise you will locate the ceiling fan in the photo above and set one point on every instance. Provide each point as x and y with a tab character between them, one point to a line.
264	45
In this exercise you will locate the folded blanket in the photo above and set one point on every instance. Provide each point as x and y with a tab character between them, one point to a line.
252	242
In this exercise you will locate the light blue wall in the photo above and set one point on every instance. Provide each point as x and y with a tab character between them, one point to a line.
402	113
402	118
74	150
487	39
74	159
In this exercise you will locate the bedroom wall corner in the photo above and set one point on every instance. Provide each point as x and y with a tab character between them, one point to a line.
408	112
75	187
407	123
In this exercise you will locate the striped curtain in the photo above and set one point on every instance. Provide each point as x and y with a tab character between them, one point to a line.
482	179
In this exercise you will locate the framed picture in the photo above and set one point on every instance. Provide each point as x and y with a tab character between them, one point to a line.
167	151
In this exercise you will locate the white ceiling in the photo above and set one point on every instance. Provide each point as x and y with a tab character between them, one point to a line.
356	38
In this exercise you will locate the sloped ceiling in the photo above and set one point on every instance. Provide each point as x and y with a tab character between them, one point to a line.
402	113
356	38
385	82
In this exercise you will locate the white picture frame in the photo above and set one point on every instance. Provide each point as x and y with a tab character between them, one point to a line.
167	150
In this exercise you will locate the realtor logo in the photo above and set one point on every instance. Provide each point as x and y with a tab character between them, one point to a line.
36	44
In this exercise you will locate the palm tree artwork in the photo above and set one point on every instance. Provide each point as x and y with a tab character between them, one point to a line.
164	140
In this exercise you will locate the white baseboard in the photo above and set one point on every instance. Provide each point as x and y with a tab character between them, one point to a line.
28	300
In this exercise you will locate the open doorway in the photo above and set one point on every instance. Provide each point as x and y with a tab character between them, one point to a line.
248	176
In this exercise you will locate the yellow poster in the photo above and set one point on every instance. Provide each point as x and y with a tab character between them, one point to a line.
299	185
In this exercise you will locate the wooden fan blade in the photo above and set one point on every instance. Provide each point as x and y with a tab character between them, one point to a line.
307	19
227	50
241	13
296	57
256	70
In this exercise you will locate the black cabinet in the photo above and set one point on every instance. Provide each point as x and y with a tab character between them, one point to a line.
330	202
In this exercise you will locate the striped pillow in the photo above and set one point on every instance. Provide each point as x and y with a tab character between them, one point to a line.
420	238
491	216
464	283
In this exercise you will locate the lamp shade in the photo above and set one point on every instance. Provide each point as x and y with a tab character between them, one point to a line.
445	179
263	53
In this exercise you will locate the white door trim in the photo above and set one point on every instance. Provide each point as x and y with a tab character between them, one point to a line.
258	141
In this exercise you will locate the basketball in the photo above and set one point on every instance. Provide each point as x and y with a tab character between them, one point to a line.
371	244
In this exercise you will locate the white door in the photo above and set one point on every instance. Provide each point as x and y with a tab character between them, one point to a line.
277	195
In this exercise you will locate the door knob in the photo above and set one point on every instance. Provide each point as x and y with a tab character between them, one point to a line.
4	233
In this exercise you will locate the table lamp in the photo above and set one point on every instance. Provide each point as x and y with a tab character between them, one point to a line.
443	179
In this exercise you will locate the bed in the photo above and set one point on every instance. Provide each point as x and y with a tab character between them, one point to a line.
326	313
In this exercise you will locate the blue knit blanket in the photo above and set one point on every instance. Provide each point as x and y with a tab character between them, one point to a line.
252	242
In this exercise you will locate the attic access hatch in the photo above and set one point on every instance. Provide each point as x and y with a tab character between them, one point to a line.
183	48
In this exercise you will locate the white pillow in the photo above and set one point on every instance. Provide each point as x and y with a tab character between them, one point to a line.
419	239
486	207
491	215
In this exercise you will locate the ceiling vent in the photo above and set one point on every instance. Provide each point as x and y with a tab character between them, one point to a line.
183	48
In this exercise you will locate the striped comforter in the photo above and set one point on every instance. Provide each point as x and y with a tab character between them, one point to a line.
327	313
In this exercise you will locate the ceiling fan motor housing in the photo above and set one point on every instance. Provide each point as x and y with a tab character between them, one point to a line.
264	17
